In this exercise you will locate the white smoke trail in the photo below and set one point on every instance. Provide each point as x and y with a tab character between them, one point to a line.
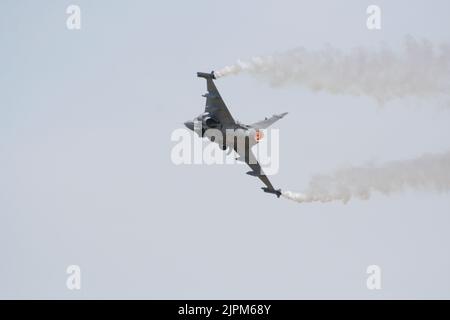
430	172
419	70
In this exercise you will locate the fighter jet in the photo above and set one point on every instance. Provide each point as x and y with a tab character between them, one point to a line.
217	116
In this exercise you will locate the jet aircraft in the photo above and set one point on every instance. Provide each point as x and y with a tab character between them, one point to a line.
234	135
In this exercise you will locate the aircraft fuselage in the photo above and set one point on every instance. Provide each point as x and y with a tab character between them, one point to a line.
230	137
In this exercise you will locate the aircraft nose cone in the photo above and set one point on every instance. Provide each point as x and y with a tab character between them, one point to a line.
189	125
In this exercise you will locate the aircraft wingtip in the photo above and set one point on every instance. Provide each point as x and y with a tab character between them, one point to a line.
206	75
276	192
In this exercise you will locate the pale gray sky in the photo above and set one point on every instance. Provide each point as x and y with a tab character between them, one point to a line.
86	176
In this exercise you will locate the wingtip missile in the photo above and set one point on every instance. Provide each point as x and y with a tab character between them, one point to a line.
273	191
206	75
